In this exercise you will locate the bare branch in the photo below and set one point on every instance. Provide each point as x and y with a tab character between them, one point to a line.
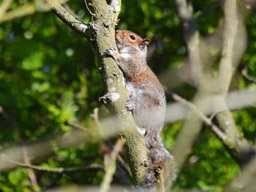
5	6
110	167
40	150
95	116
58	169
88	9
213	127
209	9
210	48
73	22
247	76
229	34
242	150
26	158
192	38
239	148
245	97
28	9
36	151
103	37
245	181
31	173
18	13
75	126
66	6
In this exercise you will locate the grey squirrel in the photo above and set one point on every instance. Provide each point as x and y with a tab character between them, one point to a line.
146	102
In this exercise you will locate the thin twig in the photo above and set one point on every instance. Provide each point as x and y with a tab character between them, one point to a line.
247	76
75	126
26	157
110	167
226	68
28	9
58	169
31	173
95	116
87	7
66	6
208	121
209	9
74	23
124	165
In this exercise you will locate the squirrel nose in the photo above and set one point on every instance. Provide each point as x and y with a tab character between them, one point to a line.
117	31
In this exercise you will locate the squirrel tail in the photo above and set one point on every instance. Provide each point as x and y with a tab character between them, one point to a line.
161	161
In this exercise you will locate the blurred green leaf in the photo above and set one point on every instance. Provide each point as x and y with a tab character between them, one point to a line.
33	62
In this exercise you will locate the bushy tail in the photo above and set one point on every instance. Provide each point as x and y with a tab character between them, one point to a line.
160	159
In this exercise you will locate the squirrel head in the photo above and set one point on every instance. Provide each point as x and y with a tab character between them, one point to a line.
131	41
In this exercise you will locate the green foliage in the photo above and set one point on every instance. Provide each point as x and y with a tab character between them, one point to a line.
209	166
49	74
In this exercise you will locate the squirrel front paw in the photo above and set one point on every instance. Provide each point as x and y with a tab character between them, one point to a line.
112	52
130	106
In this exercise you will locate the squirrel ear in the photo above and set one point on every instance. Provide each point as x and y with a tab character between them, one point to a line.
144	43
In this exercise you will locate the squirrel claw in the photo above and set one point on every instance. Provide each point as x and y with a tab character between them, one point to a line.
130	106
110	51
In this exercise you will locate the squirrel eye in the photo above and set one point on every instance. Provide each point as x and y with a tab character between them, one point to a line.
132	37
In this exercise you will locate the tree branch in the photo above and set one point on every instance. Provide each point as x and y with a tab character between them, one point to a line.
247	76
239	147
192	38
5	6
110	167
209	9
245	181
75	126
229	34
193	107
102	37
69	19
26	158
58	169
116	96
28	9
183	147
40	150
246	98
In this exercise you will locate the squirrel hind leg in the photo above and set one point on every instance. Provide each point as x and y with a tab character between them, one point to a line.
148	182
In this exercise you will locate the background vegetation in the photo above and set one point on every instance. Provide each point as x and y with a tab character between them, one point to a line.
49	74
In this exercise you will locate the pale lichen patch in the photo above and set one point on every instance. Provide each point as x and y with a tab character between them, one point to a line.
109	81
112	89
83	27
